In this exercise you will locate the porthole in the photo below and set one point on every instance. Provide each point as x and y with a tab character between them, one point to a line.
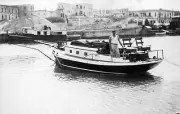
70	51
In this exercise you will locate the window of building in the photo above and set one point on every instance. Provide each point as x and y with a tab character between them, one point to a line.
70	51
2	9
77	52
85	54
38	33
9	17
24	8
25	14
2	17
45	32
149	14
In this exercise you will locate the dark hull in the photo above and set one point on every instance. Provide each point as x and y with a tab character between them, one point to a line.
50	38
32	38
105	69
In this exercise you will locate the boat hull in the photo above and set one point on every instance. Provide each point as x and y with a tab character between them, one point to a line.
121	69
50	38
32	38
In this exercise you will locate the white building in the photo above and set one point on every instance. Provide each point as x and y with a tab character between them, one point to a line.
111	12
158	16
84	9
121	12
80	9
8	12
25	10
101	12
66	8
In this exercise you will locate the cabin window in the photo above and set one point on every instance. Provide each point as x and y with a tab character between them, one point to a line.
77	52
38	33
59	33
70	51
45	33
85	54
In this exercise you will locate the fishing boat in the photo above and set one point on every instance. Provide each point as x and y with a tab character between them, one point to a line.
105	33
94	56
46	34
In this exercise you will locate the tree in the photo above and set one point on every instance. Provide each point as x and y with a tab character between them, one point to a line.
146	22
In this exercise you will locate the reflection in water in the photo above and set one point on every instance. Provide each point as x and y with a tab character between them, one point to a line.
108	79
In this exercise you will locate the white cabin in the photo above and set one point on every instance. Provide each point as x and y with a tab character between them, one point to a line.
29	30
90	54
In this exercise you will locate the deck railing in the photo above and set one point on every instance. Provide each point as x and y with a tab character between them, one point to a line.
157	54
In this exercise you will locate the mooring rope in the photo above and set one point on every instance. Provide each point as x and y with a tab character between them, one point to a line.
37	50
170	62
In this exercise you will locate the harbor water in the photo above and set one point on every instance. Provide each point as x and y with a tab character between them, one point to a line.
30	83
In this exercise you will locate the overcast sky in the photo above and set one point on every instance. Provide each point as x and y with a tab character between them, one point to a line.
99	4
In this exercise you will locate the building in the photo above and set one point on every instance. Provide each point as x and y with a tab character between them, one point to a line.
8	12
84	9
66	9
25	10
46	13
121	12
111	12
175	23
161	16
101	12
80	9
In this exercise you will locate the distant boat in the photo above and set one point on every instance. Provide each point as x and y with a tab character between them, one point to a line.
160	33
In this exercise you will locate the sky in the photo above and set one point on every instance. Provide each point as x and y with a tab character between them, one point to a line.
101	4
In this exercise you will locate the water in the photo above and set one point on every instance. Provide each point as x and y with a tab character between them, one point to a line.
32	84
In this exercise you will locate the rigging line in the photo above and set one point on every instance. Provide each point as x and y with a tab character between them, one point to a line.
42	42
37	50
170	62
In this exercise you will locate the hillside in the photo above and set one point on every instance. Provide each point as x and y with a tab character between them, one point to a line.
99	23
16	25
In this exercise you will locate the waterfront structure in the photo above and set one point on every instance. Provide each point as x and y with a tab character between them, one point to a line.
25	10
175	23
161	16
8	12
